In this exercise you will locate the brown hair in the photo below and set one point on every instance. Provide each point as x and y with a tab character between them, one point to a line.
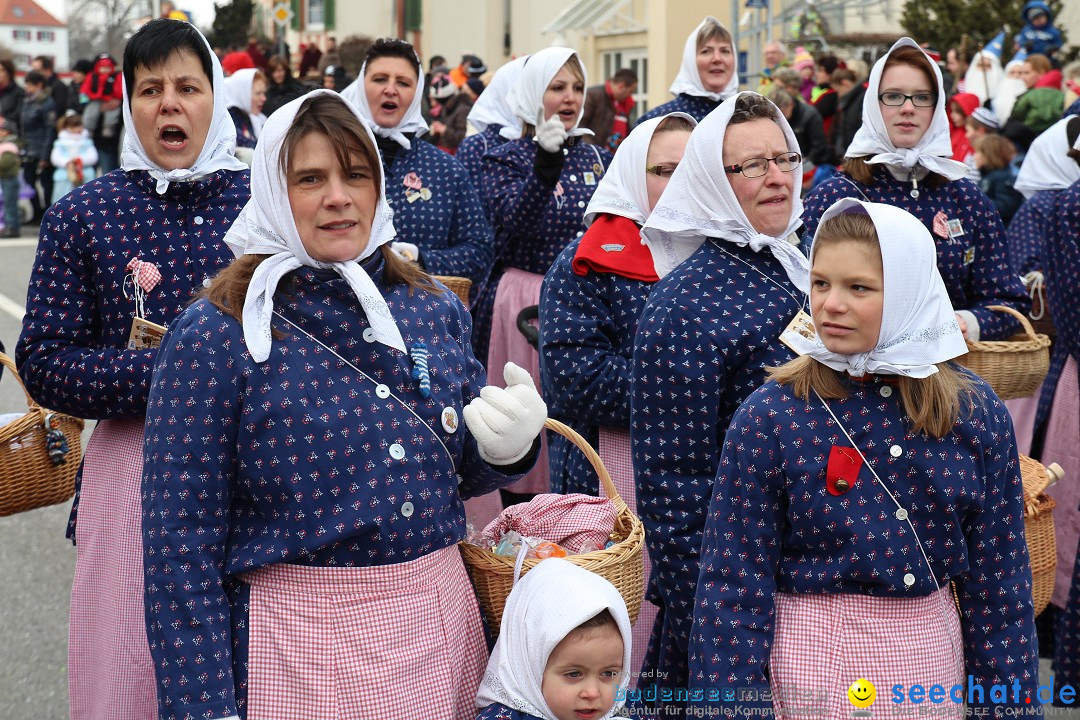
932	404
327	115
751	106
1039	63
604	618
275	62
856	167
711	30
996	150
259	75
674	123
69	119
528	130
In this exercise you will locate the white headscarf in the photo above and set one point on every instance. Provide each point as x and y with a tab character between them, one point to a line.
526	98
699	202
934	149
918	324
622	191
984	84
217	149
1009	89
411	122
545	605
266	227
688	81
1046	165
238	92
491	108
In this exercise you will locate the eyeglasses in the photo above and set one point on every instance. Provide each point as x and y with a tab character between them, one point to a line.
660	170
919	100
756	167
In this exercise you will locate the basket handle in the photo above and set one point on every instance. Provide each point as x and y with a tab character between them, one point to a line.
594	459
10	365
1019	316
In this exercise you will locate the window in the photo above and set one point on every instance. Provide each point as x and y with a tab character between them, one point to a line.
46	35
315	12
21	34
637	60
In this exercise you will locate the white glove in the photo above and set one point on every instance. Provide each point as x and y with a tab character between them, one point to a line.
550	133
505	422
406	251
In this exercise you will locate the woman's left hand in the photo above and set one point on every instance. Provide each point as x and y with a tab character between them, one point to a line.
505	422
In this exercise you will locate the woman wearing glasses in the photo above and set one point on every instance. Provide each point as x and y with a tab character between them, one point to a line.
900	157
589	307
722	242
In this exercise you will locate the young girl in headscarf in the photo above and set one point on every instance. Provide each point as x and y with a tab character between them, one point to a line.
589	307
435	204
138	242
563	649
489	115
723	244
854	487
537	185
900	156
708	74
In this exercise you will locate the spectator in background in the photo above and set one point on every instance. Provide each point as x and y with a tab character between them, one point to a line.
12	94
981	122
1071	78
309	58
44	65
774	59
254	51
10	164
957	60
102	116
76	100
608	107
983	76
282	86
849	109
789	79
38	133
807	126
804	63
335	78
960	108
1040	106
330	57
1038	34
451	128
993	158
436	68
236	60
73	156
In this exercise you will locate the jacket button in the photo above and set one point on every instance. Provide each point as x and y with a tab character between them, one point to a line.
397	451
407	509
885	391
901	514
199	220
369	335
909	580
383	391
896	451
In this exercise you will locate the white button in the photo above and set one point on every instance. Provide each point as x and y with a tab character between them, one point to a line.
369	335
580	233
573	178
901	514
565	151
885	391
896	451
909	580
198	220
206	282
396	451
449	420
407	509
382	391
581	203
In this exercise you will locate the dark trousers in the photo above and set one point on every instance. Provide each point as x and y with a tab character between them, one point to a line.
31	171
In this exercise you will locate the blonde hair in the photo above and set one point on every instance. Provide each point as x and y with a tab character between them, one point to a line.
997	151
932	404
528	130
711	30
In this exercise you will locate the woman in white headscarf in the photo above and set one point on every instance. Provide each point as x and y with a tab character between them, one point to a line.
245	95
589	307
436	208
324	381
563	649
722	242
708	74
537	186
489	115
854	486
901	156
134	243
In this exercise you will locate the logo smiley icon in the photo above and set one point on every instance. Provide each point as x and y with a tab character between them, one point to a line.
862	693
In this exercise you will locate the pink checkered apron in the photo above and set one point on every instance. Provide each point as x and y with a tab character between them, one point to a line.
389	642
517	290
824	643
110	671
1022	411
1060	446
615	453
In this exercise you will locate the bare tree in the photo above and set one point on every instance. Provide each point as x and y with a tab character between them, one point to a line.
100	26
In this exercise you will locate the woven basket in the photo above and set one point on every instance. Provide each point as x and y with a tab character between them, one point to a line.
620	564
460	286
28	479
1014	367
1039	531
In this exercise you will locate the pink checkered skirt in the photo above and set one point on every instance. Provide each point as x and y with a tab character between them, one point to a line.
824	643
110	671
393	642
615	453
1060	446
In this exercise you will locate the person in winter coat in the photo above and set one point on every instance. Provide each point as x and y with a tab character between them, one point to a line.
806	123
993	158
961	106
452	124
73	156
282	86
608	108
436	209
12	94
103	90
139	241
38	130
10	165
1038	34
707	75
901	156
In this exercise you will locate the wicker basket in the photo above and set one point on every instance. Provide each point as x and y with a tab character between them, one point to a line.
28	478
1039	531
1014	367
460	286
620	564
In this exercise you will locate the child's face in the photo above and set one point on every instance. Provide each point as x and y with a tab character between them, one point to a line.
980	161
846	296
582	673
959	119
1039	21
